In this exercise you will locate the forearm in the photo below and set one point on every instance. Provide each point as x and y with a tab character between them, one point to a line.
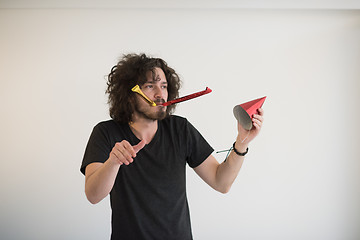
227	171
99	183
100	177
221	176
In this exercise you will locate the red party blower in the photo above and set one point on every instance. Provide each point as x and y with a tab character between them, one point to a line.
187	97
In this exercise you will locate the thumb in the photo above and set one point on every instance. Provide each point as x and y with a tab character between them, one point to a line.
139	146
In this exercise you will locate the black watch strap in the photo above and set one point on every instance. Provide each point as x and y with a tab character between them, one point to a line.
239	153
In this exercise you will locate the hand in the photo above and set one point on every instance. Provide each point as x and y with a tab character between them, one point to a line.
246	136
124	153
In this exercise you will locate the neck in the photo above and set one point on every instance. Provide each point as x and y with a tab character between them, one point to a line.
144	129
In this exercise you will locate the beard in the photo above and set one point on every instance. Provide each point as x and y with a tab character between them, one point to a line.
147	112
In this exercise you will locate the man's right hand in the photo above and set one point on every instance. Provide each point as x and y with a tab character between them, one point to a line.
124	153
100	177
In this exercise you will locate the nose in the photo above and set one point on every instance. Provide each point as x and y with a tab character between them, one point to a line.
160	92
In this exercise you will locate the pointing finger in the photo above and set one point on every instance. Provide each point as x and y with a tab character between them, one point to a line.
139	146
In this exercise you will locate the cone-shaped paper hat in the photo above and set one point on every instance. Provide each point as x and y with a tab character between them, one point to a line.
244	112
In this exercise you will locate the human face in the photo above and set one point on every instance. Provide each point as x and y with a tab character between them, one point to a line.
155	88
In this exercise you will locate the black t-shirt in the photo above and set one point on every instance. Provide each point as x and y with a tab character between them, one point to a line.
148	199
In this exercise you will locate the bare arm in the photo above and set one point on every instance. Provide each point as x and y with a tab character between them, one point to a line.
221	176
100	177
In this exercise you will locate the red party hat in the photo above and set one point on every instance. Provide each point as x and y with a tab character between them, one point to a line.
244	112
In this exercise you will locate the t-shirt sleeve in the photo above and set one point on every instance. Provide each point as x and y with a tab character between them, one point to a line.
198	149
98	147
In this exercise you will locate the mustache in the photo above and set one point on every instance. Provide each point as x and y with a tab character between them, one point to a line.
159	101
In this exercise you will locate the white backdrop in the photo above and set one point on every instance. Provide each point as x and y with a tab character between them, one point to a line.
300	179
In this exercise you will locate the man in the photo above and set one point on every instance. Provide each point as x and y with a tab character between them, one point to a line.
139	156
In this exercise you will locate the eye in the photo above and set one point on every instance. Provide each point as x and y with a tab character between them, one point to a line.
164	86
148	86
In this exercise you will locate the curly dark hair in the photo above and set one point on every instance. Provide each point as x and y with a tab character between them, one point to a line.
130	71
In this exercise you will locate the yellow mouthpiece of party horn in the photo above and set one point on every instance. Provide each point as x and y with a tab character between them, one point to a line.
138	90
